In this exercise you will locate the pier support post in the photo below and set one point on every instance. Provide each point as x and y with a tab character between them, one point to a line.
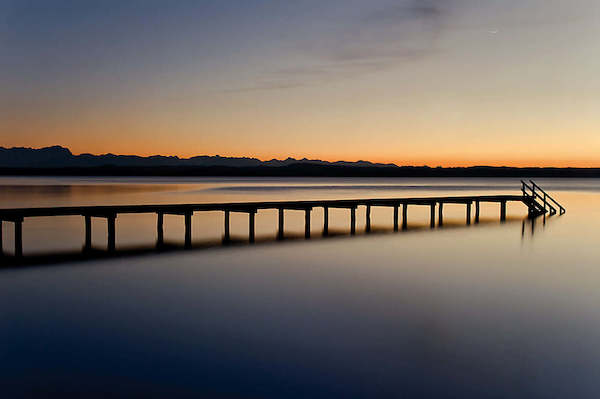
188	230
432	216
395	217
227	235
88	232
368	219
531	212
353	221
307	223
468	213
503	211
280	229
476	211
441	214
18	238
111	232
159	229
545	202
544	218
404	214
325	221
251	230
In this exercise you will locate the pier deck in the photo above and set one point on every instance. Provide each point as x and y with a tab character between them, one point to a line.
530	194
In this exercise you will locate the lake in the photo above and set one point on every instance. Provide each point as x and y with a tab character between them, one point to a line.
489	310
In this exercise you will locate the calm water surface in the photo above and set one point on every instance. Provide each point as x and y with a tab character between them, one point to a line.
489	311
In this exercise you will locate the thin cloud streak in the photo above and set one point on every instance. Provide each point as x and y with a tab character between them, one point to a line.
377	40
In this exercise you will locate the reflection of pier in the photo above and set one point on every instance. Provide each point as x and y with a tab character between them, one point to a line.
530	195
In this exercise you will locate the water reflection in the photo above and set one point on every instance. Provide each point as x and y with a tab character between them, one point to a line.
485	311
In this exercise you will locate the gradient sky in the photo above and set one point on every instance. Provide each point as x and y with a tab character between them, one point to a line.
437	82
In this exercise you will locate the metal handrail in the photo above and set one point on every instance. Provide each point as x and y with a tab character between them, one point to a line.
535	195
562	209
544	197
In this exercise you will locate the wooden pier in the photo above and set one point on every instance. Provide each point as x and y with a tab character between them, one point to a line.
531	193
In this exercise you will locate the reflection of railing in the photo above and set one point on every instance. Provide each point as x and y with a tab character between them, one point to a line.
534	191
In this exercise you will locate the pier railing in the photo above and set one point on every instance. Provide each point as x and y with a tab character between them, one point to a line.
536	192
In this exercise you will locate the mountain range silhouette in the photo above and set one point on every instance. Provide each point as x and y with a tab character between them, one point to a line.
58	160
57	156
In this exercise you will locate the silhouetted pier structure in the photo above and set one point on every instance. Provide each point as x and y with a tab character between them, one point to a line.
531	193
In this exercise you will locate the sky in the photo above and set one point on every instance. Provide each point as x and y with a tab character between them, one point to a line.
413	82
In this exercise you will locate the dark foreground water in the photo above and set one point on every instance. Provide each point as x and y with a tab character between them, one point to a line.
488	311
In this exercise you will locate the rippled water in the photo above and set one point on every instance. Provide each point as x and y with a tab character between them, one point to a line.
488	310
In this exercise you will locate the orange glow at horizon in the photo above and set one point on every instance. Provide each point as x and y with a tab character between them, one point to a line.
431	162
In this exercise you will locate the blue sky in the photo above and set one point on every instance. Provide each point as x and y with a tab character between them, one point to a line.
412	81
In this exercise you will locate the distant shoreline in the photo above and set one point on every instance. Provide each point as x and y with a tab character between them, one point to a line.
305	170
